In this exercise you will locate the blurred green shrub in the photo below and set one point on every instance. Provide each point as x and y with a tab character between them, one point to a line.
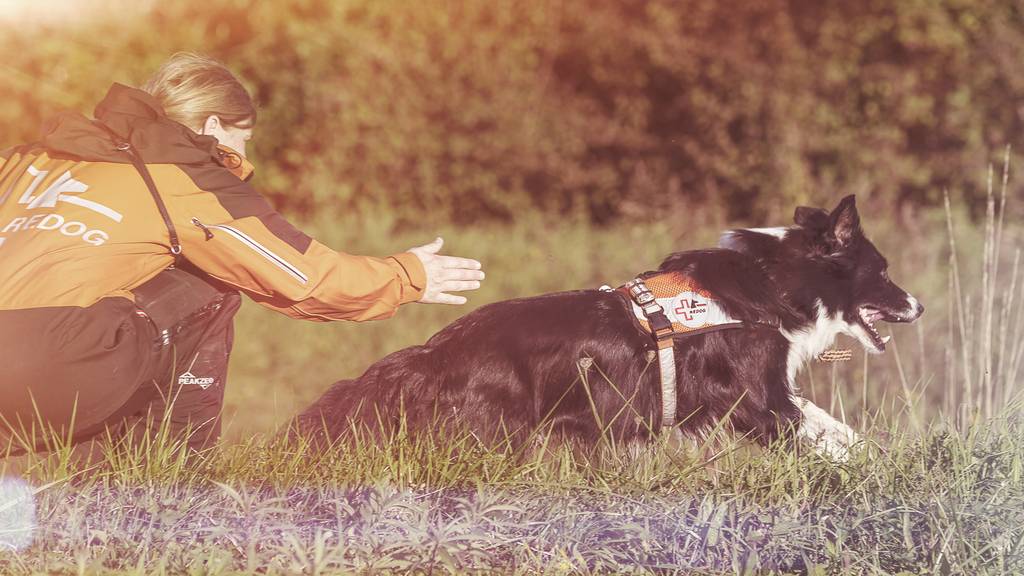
455	110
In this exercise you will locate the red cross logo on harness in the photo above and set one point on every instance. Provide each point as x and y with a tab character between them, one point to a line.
689	308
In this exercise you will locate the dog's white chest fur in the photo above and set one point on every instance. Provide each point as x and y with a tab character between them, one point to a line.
828	435
807	343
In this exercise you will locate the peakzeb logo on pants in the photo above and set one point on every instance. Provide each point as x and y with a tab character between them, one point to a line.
188	378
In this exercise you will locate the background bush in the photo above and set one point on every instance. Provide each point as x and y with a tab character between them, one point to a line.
464	109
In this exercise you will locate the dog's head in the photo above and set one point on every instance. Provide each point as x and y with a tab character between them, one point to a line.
826	261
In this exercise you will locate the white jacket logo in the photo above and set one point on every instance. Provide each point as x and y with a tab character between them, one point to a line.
63	189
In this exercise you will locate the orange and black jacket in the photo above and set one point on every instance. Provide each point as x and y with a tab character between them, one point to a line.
78	223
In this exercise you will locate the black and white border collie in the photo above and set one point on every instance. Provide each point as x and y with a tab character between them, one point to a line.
577	365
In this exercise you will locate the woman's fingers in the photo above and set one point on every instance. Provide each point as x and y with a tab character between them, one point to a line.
448	299
447	274
459	285
455	262
460	274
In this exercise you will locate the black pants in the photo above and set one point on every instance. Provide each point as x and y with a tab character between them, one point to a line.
76	373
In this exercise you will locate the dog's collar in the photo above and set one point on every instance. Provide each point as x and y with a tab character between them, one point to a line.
667	305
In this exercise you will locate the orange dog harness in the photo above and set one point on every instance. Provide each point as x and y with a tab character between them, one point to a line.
686	305
666	305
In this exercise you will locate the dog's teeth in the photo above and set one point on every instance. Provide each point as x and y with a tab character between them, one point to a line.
885	339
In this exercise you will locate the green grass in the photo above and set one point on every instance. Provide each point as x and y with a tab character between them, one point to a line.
938	502
937	490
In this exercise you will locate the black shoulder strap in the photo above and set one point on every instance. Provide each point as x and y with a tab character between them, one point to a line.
140	166
143	171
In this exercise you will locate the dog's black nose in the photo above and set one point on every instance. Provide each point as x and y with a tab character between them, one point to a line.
914	309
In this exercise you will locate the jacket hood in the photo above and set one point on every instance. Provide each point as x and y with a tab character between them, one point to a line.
130	115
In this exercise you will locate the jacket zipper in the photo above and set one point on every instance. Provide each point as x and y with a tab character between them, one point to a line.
262	250
209	235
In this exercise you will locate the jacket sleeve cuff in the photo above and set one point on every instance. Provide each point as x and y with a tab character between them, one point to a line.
414	277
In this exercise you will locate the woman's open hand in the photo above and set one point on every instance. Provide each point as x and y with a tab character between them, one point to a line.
446	274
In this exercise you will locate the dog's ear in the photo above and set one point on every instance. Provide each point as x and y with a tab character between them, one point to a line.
810	218
844	222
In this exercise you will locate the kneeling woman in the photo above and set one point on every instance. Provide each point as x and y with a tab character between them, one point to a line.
124	243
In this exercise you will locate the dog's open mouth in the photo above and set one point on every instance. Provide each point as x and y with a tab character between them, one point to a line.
868	316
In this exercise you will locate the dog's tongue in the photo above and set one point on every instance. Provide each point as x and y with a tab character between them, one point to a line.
871	314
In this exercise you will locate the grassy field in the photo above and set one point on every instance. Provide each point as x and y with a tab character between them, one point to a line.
937	490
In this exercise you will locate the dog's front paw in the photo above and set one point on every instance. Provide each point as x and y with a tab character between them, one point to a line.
837	442
829	436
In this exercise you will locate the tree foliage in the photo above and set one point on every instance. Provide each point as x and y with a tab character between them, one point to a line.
464	109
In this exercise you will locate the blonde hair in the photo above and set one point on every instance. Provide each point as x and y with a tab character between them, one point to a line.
191	88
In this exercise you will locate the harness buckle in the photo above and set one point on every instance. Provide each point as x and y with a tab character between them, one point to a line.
651	307
639	291
660	326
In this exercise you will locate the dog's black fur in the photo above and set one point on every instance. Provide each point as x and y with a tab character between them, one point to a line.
510	367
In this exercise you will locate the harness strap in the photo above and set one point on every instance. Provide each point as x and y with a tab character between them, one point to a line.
663	331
